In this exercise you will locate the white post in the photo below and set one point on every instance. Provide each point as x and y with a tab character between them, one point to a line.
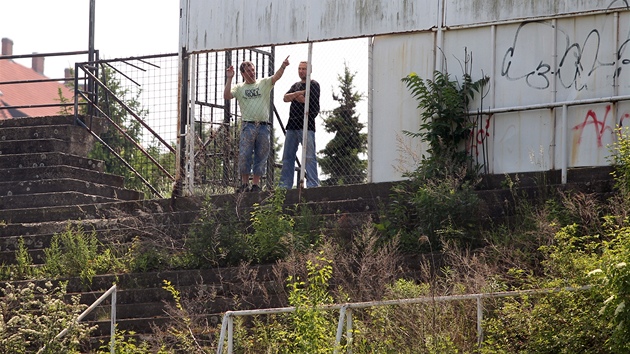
342	316
479	321
190	133
112	341
230	334
564	144
349	337
307	101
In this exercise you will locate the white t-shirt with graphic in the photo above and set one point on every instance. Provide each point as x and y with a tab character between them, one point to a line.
254	99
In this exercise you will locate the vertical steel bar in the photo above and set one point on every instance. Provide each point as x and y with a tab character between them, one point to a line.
270	60
230	334
349	335
181	121
91	32
564	148
112	341
223	331
479	321
342	317
307	97
190	132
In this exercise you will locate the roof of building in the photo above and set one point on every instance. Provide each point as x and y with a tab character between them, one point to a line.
29	94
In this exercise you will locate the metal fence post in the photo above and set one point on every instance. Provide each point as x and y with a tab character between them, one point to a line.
479	320
349	337
230	334
112	341
342	317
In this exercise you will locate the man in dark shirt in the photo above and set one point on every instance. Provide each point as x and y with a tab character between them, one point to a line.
296	95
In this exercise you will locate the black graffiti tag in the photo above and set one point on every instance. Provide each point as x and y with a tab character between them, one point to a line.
578	61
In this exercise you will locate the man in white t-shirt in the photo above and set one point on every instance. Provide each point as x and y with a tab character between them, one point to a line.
254	99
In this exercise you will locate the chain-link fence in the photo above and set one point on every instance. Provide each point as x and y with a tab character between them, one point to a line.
137	100
235	134
227	122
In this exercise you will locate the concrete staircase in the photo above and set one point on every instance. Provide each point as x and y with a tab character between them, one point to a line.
47	182
46	179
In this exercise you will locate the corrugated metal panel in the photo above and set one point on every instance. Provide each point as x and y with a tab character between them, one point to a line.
393	108
530	57
220	24
469	12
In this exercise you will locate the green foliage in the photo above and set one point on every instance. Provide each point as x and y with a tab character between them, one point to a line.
446	125
126	343
273	229
613	277
341	159
412	328
620	159
427	212
23	267
219	238
308	329
184	338
588	321
77	253
216	239
31	316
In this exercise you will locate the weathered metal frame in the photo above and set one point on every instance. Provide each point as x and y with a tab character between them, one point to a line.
345	312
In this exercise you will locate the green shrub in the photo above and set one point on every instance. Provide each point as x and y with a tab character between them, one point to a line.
75	253
433	210
31	316
216	239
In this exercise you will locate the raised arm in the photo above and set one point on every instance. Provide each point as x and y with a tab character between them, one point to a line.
227	92
280	71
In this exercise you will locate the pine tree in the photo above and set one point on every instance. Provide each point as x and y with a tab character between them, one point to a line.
341	159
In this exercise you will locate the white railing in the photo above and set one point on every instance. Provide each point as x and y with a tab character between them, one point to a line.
345	312
112	341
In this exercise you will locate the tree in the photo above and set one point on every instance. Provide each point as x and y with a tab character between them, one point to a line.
342	155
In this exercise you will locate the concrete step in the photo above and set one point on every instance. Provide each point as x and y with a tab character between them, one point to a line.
40	200
49	159
65	132
67	185
9	147
57	172
94	123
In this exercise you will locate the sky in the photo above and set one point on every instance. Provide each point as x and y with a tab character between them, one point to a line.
123	28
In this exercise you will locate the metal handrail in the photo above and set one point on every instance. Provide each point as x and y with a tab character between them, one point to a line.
345	312
112	341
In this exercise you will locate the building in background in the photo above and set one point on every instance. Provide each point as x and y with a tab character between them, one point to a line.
22	91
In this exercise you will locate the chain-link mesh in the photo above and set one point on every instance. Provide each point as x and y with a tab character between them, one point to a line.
339	67
137	99
146	110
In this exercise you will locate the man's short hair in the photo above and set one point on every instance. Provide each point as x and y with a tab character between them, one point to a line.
242	66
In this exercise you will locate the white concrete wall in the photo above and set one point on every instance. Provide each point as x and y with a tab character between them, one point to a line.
221	24
535	52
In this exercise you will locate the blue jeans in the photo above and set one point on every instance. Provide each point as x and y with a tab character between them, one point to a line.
253	147
292	140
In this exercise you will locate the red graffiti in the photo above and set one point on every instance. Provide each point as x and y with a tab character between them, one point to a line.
599	126
478	137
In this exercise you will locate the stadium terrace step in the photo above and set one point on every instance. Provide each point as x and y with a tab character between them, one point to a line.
49	159
67	185
18	175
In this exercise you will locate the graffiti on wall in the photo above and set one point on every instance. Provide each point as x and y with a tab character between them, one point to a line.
599	124
577	61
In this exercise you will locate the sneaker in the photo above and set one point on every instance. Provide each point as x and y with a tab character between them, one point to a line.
255	188
243	188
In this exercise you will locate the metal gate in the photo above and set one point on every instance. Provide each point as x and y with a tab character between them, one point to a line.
213	124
